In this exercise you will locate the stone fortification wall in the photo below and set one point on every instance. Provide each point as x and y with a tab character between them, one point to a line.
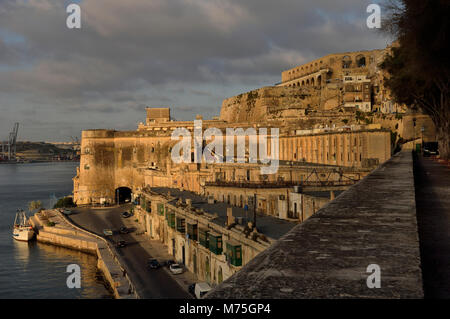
327	256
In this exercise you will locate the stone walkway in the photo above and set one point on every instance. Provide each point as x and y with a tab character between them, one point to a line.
432	182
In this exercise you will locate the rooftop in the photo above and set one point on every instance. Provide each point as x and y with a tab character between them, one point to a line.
269	226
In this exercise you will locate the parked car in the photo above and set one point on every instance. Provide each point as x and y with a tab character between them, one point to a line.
124	230
168	263
108	232
430	148
201	289
121	244
126	214
176	269
153	264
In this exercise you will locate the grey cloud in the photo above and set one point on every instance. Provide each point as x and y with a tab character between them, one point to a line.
136	53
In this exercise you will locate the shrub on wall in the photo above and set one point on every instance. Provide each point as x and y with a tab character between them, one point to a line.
64	203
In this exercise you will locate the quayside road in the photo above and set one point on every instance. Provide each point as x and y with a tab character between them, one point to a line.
150	284
432	184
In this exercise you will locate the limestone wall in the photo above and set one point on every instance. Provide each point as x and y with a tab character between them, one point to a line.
110	160
267	102
372	223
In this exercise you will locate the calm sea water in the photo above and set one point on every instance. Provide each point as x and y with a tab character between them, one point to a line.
34	270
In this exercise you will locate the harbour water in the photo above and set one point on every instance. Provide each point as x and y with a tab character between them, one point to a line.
34	270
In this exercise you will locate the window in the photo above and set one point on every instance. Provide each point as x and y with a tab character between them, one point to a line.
360	61
346	62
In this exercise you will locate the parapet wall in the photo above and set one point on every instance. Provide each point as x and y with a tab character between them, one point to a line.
374	222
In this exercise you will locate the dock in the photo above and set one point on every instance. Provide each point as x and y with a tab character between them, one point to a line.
53	228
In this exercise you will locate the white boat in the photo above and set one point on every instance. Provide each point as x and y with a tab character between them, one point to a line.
22	229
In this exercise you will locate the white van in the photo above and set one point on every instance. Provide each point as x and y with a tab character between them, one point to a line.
201	288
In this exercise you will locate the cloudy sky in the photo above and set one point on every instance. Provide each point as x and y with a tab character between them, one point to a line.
186	54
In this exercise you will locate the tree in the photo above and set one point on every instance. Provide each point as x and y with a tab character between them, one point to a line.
34	205
64	202
418	67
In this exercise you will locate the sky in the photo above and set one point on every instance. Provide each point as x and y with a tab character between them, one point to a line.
188	55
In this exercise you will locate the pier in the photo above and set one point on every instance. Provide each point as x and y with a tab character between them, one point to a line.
52	227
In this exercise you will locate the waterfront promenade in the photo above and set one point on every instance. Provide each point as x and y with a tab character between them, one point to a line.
149	284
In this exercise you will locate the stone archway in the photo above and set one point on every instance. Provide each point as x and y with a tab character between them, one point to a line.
360	61
346	62
122	195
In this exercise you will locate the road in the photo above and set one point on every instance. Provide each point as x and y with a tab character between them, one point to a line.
150	284
432	182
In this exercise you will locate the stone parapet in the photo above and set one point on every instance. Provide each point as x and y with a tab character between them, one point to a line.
373	222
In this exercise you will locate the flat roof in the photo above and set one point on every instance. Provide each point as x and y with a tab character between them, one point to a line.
270	226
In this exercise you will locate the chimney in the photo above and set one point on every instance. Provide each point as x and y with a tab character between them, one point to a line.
331	195
188	202
230	217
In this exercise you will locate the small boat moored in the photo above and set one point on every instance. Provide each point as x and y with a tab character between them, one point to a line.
22	229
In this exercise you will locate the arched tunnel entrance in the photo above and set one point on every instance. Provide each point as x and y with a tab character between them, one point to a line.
123	195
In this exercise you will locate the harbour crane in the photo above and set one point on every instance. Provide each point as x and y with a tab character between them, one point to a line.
9	147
